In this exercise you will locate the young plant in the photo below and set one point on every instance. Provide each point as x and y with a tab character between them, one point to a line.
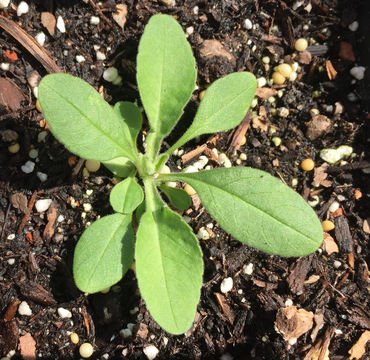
251	205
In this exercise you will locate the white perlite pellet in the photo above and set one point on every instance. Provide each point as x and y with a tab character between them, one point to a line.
60	24
4	4
337	264
94	20
353	26
226	285
100	56
11	261
150	352
22	8
80	58
41	38
248	269
261	82
334	206
5	66
203	234
248	24
358	72
42	176
28	167
24	309
110	74
64	313
42	205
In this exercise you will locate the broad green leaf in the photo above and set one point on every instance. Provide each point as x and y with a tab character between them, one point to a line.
126	196
177	197
257	209
132	116
165	73
121	166
82	120
140	211
169	269
223	106
104	253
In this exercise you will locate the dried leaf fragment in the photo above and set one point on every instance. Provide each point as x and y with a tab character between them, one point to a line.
265	92
19	201
358	350
320	175
366	226
48	21
10	95
318	126
332	73
329	245
120	16
211	48
27	347
292	323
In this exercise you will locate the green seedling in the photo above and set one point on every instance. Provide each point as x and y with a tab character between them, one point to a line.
251	205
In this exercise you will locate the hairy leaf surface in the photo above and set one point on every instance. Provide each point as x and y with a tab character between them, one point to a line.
179	198
81	119
169	269
120	166
257	209
104	253
126	196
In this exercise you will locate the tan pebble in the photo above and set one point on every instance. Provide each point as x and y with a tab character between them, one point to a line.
285	70
190	190
327	225
201	95
92	165
243	141
74	338
301	44
14	148
278	78
86	350
38	107
307	164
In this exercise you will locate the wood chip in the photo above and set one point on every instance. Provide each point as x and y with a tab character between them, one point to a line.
312	279
319	323
260	121
48	21
264	92
11	96
19	201
211	48
142	331
225	307
297	274
292	323
193	154
305	57
318	126
238	135
320	175
120	16
9	335
358	350
27	347
366	226
49	228
329	245
332	73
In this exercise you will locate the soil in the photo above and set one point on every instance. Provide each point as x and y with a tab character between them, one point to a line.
36	249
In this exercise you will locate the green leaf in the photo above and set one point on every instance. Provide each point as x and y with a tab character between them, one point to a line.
177	197
132	116
223	107
104	253
165	73
82	120
257	209
121	166
169	269
126	196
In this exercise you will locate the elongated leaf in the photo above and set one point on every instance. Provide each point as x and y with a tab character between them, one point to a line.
257	209
165	72
104	253
120	166
131	115
169	269
126	196
223	107
82	120
177	197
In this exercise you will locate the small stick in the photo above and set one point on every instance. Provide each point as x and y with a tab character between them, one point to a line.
26	216
100	12
238	134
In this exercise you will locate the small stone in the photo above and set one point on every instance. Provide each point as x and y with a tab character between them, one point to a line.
110	74
64	313
288	302
224	160
276	141
60	218
11	237
5	66
248	24
41	38
248	269
42	136
28	167
261	82
94	20
243	156
353	26
203	234
358	72
4	4
11	261
125	333
80	58
33	153
330	155
22	8
337	264
226	285
86	350
24	309
150	352
334	206
100	56
42	176
60	24
87	207
42	205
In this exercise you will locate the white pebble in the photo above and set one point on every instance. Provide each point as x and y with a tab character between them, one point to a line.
330	155
226	285
35	91
190	169
42	136
203	234
337	264
11	261
248	24
28	167
248	269
165	341
100	56
11	237
4	4
292	341
334	206
94	20
60	218
358	72
64	313
224	160
4	66
42	176
352	97
60	24
288	302
87	207
41	38
24	309
341	198
110	74
261	82
42	205
150	352
189	30
315	201
125	352
125	333
80	58
353	26
22	8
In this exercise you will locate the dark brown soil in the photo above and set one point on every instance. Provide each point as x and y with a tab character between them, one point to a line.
36	250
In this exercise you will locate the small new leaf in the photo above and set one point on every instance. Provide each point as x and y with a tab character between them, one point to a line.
104	253
177	197
126	196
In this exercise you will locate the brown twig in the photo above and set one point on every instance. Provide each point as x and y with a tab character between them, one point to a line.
30	44
26	216
100	12
239	133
